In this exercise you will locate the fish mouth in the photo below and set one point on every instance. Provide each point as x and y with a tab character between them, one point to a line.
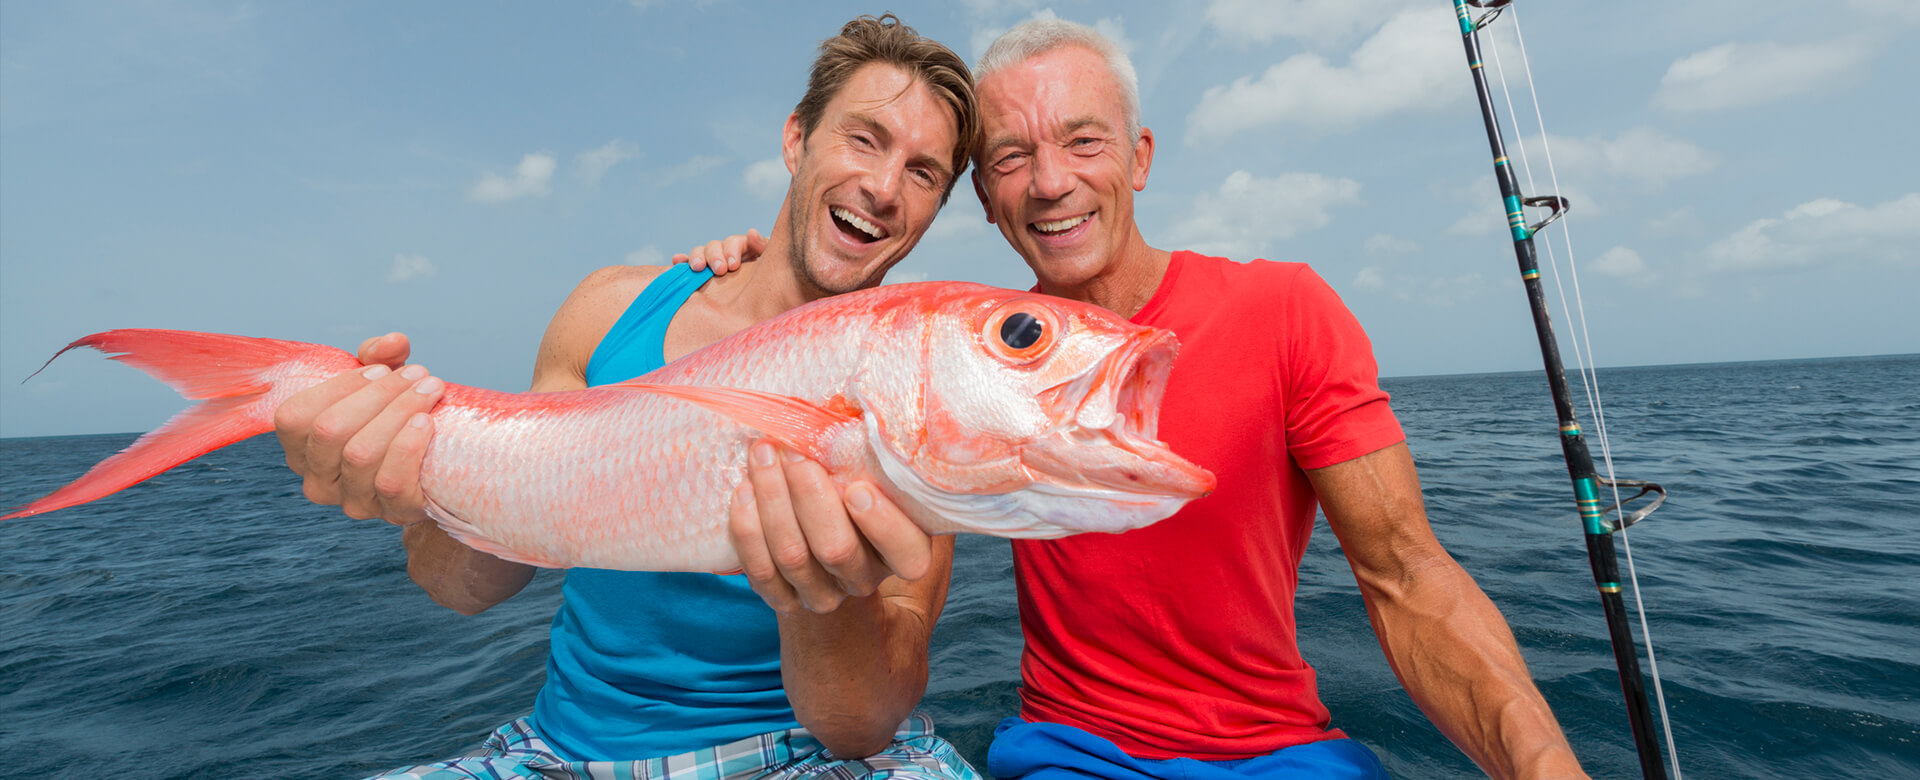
1105	423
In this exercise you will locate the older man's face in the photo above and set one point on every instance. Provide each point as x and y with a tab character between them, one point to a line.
1058	172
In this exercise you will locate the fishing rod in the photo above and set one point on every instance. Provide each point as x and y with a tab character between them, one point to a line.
1599	523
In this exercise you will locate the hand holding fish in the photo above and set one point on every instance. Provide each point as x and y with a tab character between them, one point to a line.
803	547
357	440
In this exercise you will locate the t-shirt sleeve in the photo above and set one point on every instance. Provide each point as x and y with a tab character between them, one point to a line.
1336	410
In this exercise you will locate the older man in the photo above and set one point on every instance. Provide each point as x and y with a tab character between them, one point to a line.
657	675
1170	651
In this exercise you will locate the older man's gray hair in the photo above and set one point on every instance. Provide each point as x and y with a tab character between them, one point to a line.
1039	36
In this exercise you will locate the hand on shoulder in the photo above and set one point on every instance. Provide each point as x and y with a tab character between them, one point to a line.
724	256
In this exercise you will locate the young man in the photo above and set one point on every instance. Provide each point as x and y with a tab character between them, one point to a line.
656	673
1170	651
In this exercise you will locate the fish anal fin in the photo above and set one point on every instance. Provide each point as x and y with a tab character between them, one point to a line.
798	424
466	533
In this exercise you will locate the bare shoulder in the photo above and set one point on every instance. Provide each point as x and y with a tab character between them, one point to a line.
584	319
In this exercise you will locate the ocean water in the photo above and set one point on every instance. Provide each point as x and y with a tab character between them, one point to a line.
210	623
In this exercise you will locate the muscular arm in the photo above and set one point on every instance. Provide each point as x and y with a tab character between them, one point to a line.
854	673
1444	638
857	588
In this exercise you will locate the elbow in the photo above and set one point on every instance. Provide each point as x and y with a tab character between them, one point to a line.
854	741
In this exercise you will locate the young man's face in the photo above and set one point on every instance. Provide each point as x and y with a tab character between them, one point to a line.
867	181
1058	171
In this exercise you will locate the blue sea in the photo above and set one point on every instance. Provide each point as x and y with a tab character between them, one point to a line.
211	623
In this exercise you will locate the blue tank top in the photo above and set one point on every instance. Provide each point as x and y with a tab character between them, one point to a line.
649	664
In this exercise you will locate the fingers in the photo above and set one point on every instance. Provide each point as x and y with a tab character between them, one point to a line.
704	255
293	420
907	550
380	472
835	543
390	350
797	546
349	441
398	482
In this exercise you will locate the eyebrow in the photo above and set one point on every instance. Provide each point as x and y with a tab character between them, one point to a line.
1068	127
866	120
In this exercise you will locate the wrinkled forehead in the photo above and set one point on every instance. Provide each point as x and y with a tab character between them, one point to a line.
1051	93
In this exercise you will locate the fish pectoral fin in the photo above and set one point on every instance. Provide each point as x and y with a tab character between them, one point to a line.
797	423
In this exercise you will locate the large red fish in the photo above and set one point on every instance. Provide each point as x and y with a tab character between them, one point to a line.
975	409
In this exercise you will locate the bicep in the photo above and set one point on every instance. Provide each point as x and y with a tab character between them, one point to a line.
1373	504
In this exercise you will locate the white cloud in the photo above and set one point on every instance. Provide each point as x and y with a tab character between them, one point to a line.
1312	22
1901	10
767	179
693	167
1370	279
1641	154
407	268
1249	212
1426	290
960	219
647	255
593	164
530	179
1622	263
1113	28
1823	231
1385	244
1736	75
1413	63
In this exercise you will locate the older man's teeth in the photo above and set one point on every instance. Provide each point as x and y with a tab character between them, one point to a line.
858	223
1061	225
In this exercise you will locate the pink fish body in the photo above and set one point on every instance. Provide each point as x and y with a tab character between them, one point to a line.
975	409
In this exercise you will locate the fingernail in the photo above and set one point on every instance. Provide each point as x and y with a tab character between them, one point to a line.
413	373
763	454
794	456
429	387
376	371
859	498
418	420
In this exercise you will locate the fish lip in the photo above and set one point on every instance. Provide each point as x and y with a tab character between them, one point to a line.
1105	425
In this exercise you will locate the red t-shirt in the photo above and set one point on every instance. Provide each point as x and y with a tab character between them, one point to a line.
1178	639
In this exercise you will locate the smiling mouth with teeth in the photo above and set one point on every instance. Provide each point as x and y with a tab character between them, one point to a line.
852	224
1055	227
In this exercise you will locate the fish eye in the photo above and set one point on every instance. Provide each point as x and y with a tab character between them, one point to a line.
1020	330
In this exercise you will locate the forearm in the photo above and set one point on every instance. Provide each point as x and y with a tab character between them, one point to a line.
1455	655
855	673
456	576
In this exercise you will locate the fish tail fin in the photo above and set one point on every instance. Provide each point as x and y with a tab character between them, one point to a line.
241	379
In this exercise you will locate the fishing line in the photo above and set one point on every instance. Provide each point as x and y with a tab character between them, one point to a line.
1583	359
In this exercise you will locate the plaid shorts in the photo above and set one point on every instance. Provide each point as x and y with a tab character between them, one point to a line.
514	750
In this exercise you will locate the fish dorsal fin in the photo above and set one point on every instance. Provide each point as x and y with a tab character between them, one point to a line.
798	424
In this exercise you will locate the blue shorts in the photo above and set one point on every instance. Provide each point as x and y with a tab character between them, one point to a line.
1051	751
515	750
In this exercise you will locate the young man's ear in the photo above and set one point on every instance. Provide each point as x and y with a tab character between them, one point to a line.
793	141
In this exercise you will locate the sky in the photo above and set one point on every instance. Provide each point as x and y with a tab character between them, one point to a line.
1744	181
